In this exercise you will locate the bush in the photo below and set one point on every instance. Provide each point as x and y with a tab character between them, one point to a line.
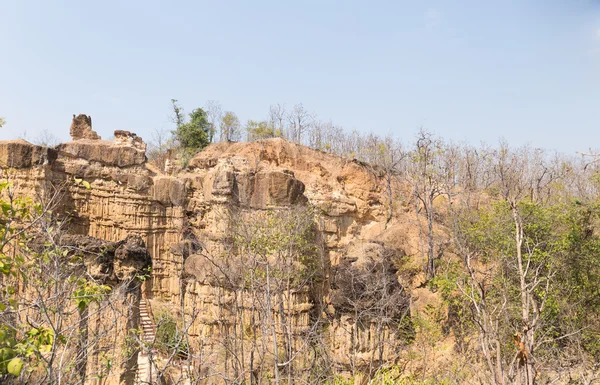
169	337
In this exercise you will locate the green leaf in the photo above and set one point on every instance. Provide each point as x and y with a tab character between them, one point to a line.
6	354
87	185
14	366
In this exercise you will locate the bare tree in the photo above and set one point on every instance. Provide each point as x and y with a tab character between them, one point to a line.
516	173
62	289
277	118
426	177
509	274
365	287
385	157
275	270
320	135
46	138
230	127
178	115
158	147
214	113
300	121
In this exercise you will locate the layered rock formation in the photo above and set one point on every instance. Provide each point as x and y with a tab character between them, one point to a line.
81	128
185	216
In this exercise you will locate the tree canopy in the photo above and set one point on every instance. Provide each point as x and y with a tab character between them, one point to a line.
193	134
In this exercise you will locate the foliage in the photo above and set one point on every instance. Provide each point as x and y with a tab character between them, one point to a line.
194	134
169	337
84	183
561	252
283	240
16	344
36	273
389	375
260	130
230	127
88	292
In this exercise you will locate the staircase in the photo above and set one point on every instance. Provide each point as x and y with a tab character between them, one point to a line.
146	322
146	372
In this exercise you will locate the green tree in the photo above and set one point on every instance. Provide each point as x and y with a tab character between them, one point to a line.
230	126
260	130
2	121
192	135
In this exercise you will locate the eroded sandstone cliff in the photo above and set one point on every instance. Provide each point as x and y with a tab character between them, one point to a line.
186	215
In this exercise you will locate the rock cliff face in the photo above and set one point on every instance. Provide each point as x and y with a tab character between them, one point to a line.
184	215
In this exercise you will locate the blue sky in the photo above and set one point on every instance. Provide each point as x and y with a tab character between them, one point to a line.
527	70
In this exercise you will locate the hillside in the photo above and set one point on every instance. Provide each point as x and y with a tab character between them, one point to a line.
260	262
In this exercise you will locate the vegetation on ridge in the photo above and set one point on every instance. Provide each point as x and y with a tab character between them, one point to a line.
506	266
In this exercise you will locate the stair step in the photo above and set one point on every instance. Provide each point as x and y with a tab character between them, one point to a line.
148	334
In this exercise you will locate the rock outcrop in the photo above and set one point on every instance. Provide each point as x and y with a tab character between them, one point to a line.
181	218
81	128
129	139
19	154
111	262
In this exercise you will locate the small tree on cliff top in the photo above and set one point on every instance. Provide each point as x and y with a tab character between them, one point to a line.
230	126
194	134
260	130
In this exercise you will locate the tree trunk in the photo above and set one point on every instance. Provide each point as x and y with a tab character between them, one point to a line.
527	336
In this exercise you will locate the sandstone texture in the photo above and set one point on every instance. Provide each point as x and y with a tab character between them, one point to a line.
172	221
81	128
20	154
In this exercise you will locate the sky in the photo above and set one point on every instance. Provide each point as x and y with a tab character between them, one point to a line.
527	71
